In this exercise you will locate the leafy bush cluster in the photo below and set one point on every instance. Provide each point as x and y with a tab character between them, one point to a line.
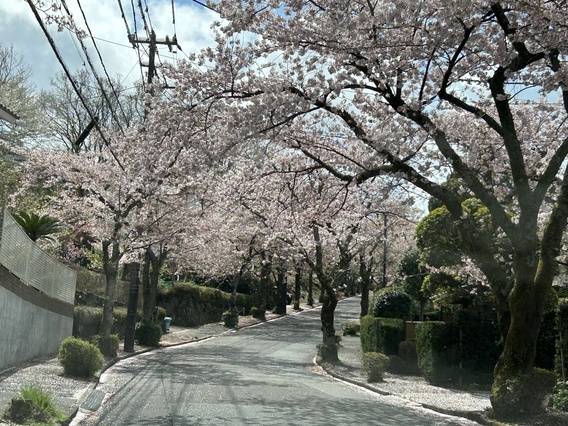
79	358
391	302
148	334
374	365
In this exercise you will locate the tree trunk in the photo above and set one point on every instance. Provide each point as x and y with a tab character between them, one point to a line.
517	387
311	288
328	349
147	309
265	270
152	272
365	275
281	290
111	258
297	288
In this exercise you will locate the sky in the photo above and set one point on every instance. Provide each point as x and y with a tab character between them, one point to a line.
20	29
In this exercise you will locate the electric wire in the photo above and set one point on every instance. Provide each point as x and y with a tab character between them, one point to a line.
73	83
104	69
122	14
137	46
93	70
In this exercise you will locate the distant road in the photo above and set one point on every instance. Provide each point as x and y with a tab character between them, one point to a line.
263	375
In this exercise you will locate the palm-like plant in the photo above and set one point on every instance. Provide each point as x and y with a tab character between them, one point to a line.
38	227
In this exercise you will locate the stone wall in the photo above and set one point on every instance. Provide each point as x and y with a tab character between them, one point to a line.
32	324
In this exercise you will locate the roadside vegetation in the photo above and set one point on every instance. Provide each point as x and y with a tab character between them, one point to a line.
34	406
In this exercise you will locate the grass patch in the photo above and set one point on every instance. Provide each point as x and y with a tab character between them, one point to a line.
34	406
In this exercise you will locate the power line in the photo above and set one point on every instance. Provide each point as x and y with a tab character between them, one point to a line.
93	70
70	77
130	37
105	71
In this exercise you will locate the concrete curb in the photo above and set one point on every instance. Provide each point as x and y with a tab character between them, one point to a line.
470	415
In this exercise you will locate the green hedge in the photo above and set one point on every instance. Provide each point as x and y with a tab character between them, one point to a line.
441	348
191	305
381	334
562	347
87	321
437	352
478	347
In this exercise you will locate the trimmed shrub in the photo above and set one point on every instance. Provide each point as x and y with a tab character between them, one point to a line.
391	302
351	328
148	334
381	334
107	345
79	358
374	366
231	318
257	313
437	351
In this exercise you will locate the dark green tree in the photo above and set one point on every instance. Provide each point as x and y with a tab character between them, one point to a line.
413	272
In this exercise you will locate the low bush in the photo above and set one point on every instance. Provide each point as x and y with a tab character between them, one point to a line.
107	345
231	318
257	313
375	365
79	358
148	334
351	328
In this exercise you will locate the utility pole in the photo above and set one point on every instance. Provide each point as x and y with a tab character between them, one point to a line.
153	42
385	250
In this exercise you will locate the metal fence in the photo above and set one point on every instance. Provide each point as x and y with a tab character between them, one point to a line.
32	265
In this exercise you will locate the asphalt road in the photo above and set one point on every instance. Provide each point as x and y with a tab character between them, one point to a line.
262	375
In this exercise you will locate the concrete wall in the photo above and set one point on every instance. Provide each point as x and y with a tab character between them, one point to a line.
31	324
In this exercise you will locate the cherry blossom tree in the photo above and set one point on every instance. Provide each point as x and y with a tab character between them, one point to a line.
414	91
115	190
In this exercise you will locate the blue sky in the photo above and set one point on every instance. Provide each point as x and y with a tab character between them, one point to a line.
19	28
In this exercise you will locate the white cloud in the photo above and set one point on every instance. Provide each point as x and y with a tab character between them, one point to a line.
19	28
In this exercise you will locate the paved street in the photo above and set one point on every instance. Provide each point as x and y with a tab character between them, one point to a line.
255	376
